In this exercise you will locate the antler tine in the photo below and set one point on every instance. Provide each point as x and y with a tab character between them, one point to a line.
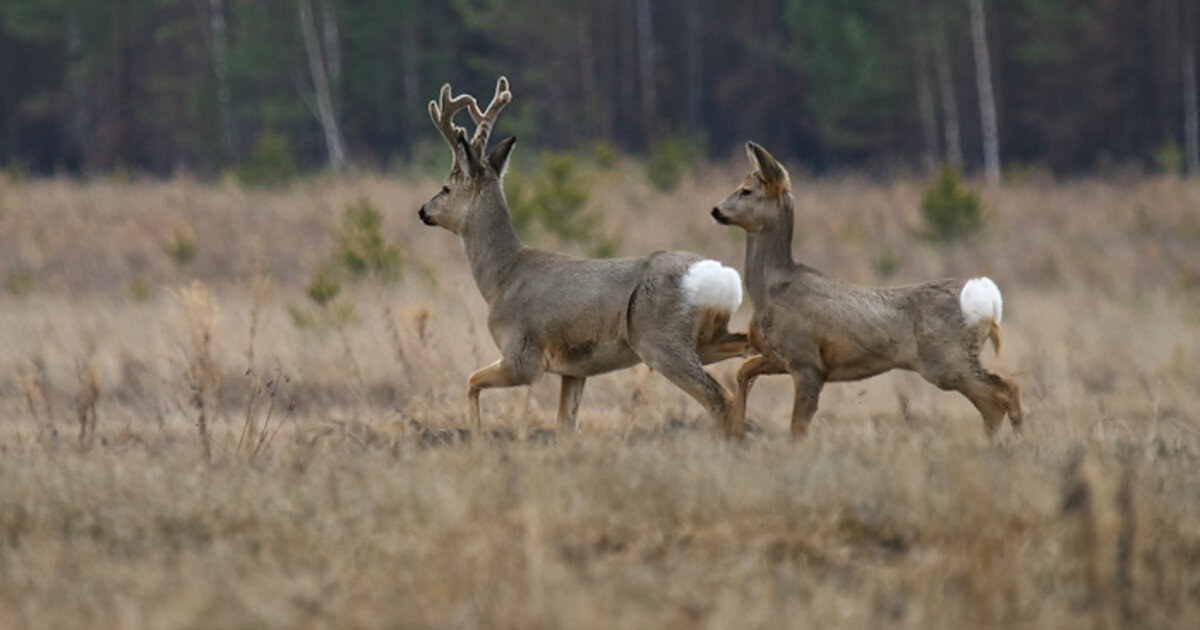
443	110
485	120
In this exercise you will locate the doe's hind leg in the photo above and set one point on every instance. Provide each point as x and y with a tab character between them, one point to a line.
674	356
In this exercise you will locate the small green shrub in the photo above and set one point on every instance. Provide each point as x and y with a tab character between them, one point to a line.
18	282
14	174
553	198
361	252
323	287
139	289
951	209
1168	157
182	246
361	247
336	315
605	154
671	158
425	158
271	163
886	264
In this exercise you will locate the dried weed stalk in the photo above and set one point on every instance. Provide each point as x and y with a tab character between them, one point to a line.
85	401
201	374
254	437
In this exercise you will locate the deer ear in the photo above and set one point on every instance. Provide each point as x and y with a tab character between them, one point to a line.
772	172
467	156
498	158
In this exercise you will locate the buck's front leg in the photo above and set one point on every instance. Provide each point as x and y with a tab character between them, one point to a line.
568	403
498	374
751	369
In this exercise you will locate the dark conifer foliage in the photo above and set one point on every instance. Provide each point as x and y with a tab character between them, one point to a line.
157	86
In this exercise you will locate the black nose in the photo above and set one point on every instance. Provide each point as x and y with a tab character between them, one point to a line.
720	218
425	217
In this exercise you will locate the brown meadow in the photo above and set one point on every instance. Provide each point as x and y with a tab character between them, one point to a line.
331	488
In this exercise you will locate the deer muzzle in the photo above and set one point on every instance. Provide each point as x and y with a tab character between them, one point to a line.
720	218
425	218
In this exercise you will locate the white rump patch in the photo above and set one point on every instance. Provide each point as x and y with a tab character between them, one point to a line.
980	301
709	284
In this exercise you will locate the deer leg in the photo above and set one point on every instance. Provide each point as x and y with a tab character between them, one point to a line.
1013	401
725	346
495	375
687	374
994	397
714	342
808	382
751	369
568	402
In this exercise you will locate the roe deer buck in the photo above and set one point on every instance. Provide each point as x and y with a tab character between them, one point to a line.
549	312
820	329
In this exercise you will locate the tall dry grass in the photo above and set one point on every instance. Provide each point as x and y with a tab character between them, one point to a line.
329	487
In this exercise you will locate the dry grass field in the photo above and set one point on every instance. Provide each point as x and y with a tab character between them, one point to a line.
330	491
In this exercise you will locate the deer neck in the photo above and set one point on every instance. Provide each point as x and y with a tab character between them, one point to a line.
769	250
491	243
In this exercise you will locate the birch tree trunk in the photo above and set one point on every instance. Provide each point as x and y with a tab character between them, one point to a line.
645	49
945	80
316	64
220	59
330	43
987	102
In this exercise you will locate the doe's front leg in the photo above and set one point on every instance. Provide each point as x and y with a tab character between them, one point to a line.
568	402
752	368
808	382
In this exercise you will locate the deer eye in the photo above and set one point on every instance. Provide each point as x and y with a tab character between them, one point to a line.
445	190
745	192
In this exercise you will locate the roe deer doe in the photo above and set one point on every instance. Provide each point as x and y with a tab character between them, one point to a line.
819	329
549	312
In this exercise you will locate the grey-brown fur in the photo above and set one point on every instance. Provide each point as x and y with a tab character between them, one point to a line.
549	312
820	329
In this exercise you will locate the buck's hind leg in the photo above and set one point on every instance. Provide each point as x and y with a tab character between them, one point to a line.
568	402
498	374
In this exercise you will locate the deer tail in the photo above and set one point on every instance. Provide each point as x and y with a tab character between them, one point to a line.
708	284
981	303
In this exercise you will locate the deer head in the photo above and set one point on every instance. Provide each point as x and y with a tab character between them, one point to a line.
760	197
473	169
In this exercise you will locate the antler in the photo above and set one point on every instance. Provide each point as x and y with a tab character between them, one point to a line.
485	120
442	112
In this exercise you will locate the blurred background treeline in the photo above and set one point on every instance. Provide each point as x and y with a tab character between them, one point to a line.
206	86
